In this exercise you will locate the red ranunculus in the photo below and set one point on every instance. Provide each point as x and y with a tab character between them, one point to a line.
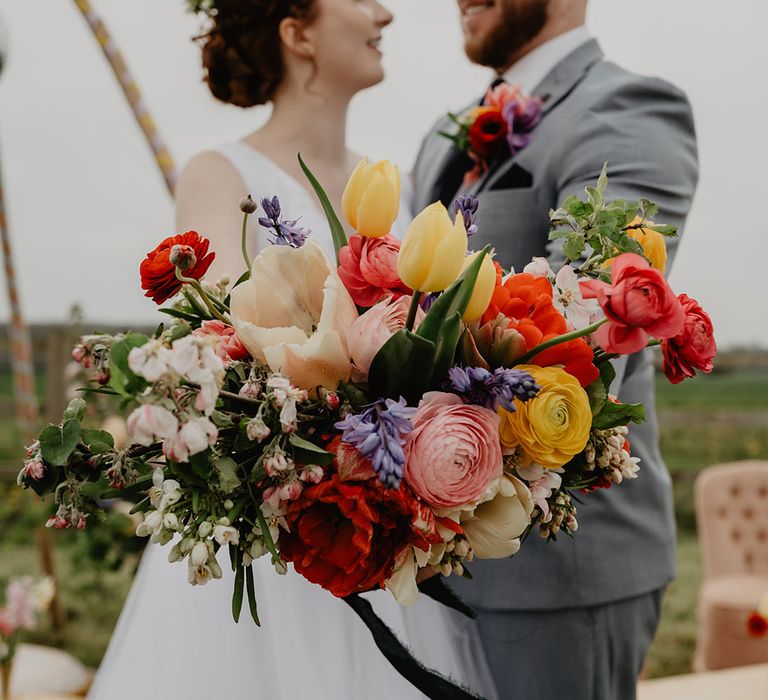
346	535
488	130
368	269
757	625
158	274
638	302
692	349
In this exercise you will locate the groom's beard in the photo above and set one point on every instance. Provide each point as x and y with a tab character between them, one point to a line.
521	21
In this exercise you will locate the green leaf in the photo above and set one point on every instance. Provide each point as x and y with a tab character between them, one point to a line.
176	313
573	246
596	200
664	229
75	409
602	181
159	330
121	378
402	367
201	464
306	452
237	594
615	414
180	330
57	443
98	441
227	471
251	595
445	349
337	230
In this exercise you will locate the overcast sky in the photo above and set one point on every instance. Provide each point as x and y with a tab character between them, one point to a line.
86	202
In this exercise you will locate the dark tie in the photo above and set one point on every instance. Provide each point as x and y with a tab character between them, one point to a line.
456	166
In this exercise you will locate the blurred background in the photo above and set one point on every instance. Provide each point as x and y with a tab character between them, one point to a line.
85	201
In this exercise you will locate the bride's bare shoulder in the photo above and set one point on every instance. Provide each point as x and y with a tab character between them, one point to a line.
205	171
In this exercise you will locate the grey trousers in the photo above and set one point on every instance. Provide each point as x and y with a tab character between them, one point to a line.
579	654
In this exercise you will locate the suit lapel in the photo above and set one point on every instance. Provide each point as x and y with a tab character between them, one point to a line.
553	89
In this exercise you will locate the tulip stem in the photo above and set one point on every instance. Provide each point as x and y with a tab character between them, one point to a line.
415	299
564	338
243	243
203	295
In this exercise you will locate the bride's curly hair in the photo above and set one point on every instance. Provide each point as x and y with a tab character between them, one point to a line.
241	51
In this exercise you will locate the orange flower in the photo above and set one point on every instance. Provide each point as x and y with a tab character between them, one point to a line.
527	302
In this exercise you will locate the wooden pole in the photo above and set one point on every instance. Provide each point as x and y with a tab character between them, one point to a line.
131	91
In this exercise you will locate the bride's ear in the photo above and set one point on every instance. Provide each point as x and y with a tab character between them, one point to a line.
295	38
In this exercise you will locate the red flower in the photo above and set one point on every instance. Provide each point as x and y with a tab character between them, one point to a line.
158	274
692	349
368	269
346	535
757	625
526	301
638	302
488	130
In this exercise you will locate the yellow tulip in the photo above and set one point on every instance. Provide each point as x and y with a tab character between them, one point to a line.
371	199
553	427
484	286
433	250
653	243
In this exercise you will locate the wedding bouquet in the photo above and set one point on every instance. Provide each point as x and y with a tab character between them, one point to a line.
757	622
410	407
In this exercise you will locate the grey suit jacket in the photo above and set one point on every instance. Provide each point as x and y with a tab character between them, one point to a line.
594	111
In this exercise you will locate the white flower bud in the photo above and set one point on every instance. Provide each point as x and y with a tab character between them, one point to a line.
199	554
205	529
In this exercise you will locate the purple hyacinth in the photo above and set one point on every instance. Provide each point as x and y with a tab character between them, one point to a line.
286	232
522	117
466	205
501	387
379	433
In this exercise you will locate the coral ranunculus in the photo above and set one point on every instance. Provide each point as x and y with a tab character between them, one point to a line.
158	274
639	302
552	427
453	452
345	535
692	349
368	268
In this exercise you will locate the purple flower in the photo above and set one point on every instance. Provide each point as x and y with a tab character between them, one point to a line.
521	116
286	232
466	205
501	387
379	433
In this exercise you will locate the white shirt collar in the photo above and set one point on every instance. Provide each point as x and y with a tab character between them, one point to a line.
532	68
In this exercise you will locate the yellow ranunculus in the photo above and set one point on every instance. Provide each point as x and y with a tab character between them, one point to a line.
554	426
433	250
654	245
484	286
371	199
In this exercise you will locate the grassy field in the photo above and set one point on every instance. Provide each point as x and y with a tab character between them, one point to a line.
714	419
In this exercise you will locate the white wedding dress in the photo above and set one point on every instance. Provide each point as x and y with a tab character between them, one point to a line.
175	641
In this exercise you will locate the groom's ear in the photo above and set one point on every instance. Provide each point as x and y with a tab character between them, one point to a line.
295	38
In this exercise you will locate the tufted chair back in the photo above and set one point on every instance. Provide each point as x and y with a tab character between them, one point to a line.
732	516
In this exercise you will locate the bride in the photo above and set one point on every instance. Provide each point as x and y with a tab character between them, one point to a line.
308	58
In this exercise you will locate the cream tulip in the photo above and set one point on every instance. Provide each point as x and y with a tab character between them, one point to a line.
293	313
493	530
484	286
371	199
433	250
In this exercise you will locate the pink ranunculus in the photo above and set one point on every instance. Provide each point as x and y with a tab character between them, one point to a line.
375	327
639	302
453	452
228	346
368	269
694	348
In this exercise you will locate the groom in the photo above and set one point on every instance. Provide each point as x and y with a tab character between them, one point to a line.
573	619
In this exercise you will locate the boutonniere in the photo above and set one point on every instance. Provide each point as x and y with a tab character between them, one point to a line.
501	126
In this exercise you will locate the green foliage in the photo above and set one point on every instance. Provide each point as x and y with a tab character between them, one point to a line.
121	378
388	376
58	442
615	414
337	230
305	452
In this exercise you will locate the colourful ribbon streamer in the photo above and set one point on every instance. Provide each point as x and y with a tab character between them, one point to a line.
22	367
132	94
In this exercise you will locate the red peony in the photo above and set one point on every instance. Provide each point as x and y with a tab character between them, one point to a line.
368	269
692	349
757	625
637	303
346	535
526	300
158	274
488	130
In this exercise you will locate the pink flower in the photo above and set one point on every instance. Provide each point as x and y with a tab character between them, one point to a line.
694	348
149	423
375	327
228	346
195	436
637	303
453	452
368	269
34	469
